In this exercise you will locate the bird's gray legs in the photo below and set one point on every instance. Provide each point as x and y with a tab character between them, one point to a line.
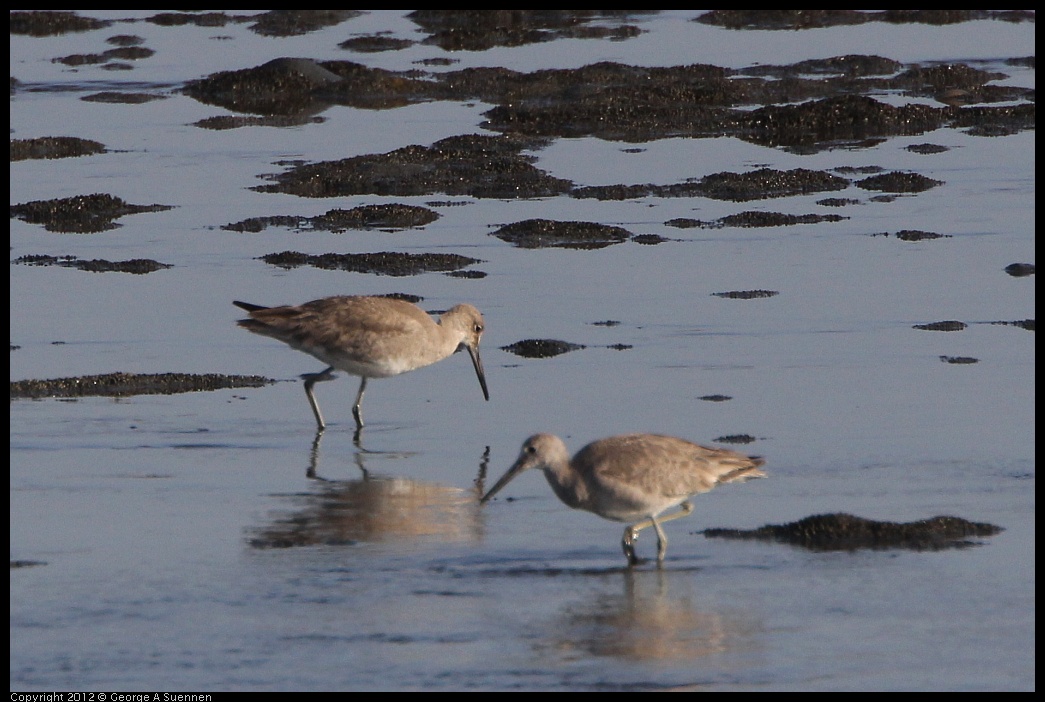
357	410
310	380
632	532
313	378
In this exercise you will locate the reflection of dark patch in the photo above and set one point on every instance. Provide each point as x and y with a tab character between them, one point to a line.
541	233
39	23
746	294
715	398
390	216
959	360
138	266
540	348
127	384
198	19
53	147
736	439
480	166
845	532
374	44
897	182
949	325
80	214
381	263
1018	270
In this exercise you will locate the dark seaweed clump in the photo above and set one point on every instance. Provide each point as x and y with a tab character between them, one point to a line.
845	532
541	348
128	384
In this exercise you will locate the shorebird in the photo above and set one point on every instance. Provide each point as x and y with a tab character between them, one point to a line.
631	478
370	337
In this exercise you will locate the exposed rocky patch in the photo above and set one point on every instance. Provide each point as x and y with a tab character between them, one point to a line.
845	532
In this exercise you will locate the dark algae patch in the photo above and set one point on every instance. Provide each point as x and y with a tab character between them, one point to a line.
804	107
41	23
746	294
754	218
541	348
83	214
543	233
1019	270
381	263
138	266
53	147
948	325
128	384
845	532
390	217
480	166
959	360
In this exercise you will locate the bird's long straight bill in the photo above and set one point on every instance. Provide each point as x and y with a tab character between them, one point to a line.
478	363
519	467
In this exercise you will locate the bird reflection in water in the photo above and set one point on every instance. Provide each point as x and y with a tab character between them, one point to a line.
372	508
643	620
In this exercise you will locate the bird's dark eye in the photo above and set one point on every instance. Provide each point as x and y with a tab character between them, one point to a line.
531	449
478	328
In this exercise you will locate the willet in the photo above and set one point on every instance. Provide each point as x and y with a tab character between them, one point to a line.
371	337
632	478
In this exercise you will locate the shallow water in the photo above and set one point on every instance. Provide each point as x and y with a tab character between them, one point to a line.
207	541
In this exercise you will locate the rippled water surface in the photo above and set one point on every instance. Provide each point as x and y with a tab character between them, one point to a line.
211	541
